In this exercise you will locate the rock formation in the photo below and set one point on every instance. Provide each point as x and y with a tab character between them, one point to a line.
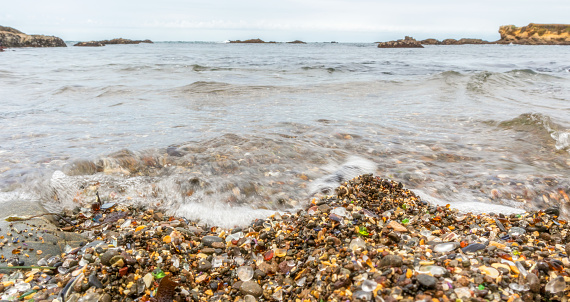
407	42
297	42
10	37
251	41
113	41
535	34
454	42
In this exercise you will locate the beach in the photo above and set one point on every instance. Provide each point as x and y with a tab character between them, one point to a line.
373	240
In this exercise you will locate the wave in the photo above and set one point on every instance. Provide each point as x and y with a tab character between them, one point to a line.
206	87
542	125
206	180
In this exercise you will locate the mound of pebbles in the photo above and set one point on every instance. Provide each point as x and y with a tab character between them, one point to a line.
372	241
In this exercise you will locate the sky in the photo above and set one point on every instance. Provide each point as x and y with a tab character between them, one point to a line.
271	20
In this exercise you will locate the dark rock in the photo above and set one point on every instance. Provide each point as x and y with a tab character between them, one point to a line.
10	37
204	265
106	257
427	280
94	281
208	240
473	247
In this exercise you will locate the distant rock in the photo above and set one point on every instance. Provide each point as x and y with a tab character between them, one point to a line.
297	42
113	41
11	37
463	41
407	42
125	41
535	34
90	44
430	42
252	41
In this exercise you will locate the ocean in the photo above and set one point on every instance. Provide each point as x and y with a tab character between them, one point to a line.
227	133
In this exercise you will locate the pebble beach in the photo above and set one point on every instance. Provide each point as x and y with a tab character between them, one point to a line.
372	240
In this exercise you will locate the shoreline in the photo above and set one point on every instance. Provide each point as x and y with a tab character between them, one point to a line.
371	241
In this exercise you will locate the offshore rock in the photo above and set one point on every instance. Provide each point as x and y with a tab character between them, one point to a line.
11	37
112	41
535	34
253	41
407	42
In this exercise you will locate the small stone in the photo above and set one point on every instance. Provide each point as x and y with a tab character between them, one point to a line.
208	240
94	281
391	261
396	226
427	280
533	282
473	247
567	249
251	288
108	255
204	265
106	298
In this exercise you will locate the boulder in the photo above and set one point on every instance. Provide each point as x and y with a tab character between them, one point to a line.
11	37
407	42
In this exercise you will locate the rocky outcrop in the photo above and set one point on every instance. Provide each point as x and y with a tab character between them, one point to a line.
407	42
454	42
90	44
535	34
11	37
259	41
113	41
297	42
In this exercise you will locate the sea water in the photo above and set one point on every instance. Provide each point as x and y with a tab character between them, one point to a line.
226	133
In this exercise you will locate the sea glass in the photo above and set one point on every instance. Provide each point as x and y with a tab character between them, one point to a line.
245	273
368	285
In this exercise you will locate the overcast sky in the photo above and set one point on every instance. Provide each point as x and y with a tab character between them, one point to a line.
283	20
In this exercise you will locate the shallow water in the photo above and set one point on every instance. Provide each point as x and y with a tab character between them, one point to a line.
230	132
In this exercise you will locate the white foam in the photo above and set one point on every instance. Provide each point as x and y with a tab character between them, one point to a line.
471	206
211	211
353	167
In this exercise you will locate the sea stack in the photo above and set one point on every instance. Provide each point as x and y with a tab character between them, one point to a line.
11	37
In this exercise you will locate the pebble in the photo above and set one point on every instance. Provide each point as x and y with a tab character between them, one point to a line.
427	280
251	288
